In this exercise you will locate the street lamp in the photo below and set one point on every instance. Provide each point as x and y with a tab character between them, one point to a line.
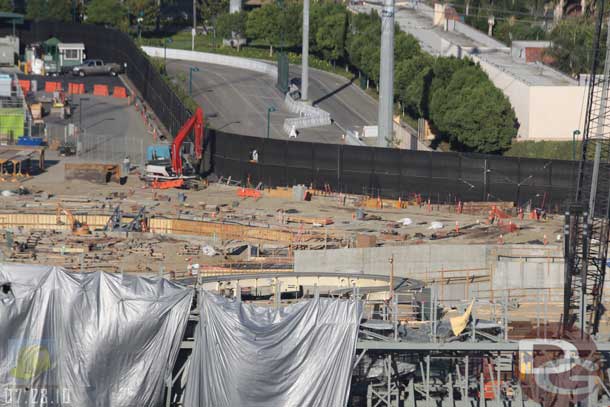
139	20
269	110
165	42
575	134
191	70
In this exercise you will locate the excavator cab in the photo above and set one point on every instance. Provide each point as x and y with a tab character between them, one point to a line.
78	228
165	161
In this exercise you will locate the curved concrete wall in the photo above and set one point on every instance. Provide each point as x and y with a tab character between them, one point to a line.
310	116
207	57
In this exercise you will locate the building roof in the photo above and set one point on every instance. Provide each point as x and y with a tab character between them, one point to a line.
52	42
13	17
531	44
435	40
71	45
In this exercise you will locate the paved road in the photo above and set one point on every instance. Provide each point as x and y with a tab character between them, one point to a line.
238	99
112	130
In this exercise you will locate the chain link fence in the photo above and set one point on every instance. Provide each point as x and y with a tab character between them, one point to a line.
70	140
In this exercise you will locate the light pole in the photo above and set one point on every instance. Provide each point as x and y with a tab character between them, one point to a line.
191	70
165	42
139	21
575	134
81	101
269	110
79	140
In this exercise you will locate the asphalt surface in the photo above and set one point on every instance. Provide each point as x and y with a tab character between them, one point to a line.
236	100
111	128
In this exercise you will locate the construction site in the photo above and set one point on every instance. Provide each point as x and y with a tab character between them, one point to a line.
147	263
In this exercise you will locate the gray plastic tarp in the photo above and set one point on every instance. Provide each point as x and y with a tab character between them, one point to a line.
94	339
252	356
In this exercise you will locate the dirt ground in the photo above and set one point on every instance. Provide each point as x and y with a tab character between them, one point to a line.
471	228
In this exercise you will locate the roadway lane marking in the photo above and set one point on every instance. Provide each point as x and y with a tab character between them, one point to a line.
253	107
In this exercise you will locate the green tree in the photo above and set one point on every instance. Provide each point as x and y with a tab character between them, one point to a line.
211	9
514	30
35	9
473	114
147	9
330	36
262	25
105	12
572	43
231	25
412	79
363	41
60	10
6	5
405	46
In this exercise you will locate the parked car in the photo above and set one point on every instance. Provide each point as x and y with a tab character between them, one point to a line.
96	67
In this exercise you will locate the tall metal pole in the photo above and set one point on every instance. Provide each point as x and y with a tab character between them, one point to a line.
305	52
386	75
194	26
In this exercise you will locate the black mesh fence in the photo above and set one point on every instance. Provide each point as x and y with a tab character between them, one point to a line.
113	46
390	173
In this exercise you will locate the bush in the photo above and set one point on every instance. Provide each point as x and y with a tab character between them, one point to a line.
559	150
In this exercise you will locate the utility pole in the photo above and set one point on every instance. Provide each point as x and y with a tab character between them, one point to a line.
386	75
305	53
194	31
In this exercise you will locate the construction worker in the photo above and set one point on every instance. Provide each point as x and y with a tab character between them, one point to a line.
125	170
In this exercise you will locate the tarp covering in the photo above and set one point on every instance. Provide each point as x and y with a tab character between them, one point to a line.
251	356
94	339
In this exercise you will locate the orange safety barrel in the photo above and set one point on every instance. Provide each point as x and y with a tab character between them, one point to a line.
119	92
25	85
100	90
52	87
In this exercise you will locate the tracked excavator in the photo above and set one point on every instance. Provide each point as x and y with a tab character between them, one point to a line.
167	162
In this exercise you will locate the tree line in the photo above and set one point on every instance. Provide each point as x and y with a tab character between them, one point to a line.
457	98
461	104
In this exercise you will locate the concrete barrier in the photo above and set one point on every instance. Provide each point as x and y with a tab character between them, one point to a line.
209	58
310	116
313	116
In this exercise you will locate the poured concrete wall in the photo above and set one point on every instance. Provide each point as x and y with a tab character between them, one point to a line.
459	272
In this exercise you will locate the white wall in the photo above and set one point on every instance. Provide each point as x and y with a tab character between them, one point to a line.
556	111
516	91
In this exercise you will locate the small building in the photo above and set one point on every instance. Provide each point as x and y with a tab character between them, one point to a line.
9	49
529	51
61	56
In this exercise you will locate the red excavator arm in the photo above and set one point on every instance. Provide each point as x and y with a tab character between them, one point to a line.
196	123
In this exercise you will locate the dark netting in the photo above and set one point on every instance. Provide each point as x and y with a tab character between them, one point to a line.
416	164
300	155
387	161
563	174
273	152
444	165
444	177
326	157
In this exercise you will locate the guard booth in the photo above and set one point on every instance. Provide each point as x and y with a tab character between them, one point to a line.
60	57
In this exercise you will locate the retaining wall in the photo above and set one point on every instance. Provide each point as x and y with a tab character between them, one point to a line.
459	271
